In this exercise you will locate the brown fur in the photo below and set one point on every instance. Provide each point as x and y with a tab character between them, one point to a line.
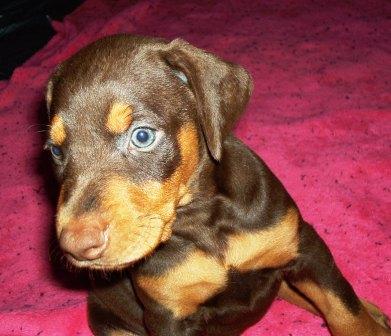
205	234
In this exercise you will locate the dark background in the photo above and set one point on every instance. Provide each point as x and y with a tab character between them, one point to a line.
25	28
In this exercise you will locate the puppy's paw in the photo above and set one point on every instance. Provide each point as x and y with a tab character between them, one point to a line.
377	314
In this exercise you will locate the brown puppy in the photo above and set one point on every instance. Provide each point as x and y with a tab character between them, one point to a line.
151	177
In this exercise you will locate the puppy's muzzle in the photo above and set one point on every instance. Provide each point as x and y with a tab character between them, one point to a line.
126	222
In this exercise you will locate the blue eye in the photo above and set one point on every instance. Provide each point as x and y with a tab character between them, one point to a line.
56	151
143	137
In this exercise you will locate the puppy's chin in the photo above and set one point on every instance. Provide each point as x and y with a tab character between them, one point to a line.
98	265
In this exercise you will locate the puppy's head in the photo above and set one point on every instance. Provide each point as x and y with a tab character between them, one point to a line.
130	120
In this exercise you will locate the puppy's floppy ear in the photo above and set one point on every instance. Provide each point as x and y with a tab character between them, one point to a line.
221	89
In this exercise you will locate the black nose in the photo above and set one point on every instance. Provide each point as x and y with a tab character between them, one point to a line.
87	244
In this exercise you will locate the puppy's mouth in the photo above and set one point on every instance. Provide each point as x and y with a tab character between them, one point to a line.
98	265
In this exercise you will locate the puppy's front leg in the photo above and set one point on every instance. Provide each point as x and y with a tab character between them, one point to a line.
317	277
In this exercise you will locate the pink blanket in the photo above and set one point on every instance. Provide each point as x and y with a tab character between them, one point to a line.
319	116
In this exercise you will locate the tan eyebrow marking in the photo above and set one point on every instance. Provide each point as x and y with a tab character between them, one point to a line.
57	130
119	118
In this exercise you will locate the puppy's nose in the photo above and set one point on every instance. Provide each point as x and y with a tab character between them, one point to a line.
88	244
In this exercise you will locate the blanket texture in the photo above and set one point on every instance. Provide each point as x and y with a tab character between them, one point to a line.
319	116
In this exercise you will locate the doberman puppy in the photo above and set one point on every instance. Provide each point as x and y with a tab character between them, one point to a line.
154	184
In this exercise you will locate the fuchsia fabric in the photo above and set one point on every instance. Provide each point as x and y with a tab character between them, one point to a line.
319	116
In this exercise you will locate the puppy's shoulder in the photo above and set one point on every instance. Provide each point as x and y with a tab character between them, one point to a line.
245	178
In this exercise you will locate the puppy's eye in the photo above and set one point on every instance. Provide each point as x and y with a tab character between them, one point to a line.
56	152
181	76
143	137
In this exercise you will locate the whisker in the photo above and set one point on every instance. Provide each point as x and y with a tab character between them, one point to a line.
38	125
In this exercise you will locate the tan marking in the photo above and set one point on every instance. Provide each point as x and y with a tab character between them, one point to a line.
119	118
185	195
271	247
134	231
63	217
166	234
340	320
183	288
60	201
57	131
288	294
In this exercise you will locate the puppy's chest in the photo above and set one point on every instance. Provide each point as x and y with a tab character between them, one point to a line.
184	287
199	276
